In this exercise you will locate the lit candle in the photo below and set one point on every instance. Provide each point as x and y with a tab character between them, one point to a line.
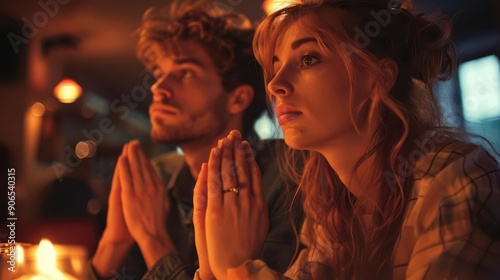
20	259
46	264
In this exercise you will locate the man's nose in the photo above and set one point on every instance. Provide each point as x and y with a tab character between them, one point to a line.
162	88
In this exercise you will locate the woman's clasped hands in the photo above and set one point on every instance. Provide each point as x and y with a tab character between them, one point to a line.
230	213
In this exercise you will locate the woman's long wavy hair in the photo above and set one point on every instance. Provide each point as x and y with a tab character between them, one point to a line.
421	47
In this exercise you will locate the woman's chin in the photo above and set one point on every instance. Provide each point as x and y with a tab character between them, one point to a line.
295	141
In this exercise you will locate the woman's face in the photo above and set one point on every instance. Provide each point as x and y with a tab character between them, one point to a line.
312	92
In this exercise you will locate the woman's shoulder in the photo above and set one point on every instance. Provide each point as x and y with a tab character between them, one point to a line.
450	169
453	212
439	155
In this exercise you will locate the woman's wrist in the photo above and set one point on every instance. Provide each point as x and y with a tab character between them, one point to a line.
199	275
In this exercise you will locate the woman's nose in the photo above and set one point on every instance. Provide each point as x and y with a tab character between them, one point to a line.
279	86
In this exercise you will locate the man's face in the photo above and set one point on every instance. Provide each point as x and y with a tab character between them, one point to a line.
189	102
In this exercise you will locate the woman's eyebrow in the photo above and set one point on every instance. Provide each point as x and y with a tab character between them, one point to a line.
299	42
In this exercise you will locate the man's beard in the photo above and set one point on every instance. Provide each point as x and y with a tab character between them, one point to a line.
196	132
199	128
176	135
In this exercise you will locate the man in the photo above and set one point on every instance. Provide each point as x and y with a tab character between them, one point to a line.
208	83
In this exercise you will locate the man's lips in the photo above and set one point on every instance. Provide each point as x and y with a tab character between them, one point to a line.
161	108
286	113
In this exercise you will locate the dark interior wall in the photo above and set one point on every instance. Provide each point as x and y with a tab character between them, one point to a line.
13	89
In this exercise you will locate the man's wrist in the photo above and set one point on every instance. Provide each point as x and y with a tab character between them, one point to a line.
109	256
154	248
170	266
109	238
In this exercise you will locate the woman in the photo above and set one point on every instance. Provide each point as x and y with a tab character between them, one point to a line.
388	193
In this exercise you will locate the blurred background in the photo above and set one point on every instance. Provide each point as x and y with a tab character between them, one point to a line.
72	93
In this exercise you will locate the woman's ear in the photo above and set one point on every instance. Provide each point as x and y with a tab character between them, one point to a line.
240	98
389	69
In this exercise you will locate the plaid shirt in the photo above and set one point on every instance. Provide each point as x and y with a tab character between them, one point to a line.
451	228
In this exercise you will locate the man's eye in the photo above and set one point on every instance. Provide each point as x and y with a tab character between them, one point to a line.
158	76
186	73
155	70
308	60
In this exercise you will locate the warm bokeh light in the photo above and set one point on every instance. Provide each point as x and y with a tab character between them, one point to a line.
38	109
93	206
67	91
87	112
85	149
271	6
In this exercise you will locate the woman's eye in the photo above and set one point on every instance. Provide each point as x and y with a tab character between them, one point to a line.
308	60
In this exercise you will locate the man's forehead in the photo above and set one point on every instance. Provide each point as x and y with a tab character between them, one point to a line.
179	52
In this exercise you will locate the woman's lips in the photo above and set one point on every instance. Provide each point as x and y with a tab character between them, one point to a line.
286	113
287	117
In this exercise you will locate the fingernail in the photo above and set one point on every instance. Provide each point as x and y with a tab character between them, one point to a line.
236	133
247	149
226	143
245	144
242	145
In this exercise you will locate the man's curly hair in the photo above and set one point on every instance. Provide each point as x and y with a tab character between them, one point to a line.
225	36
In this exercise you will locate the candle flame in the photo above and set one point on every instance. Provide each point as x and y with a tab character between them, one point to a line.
46	263
20	254
46	257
